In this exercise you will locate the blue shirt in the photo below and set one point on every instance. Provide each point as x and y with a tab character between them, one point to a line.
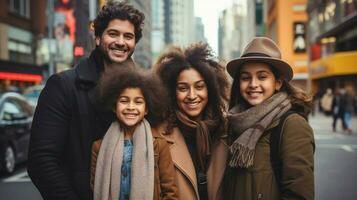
125	178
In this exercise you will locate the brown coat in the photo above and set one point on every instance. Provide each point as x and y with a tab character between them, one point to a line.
297	155
185	170
164	176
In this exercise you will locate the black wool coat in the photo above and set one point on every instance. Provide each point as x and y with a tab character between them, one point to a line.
67	120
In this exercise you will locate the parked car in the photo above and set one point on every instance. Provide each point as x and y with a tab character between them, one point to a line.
32	93
15	123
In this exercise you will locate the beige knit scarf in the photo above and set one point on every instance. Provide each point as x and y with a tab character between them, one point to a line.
248	125
108	169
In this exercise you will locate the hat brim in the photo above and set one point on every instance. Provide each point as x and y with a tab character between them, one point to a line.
283	67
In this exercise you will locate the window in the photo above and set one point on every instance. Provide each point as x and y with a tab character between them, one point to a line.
20	51
20	7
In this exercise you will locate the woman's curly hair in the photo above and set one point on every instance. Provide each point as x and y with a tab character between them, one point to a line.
115	80
119	10
198	56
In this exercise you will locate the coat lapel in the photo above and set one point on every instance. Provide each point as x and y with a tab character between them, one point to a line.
88	73
181	157
216	169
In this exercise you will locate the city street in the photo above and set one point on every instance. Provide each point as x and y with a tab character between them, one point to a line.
335	160
335	165
18	186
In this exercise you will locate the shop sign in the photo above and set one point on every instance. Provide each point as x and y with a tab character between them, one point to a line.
299	43
318	70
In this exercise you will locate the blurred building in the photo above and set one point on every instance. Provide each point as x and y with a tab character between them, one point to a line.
332	34
22	23
232	33
179	22
199	30
142	54
255	18
157	28
69	36
286	25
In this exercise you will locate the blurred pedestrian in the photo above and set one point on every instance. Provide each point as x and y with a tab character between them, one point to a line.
272	148
326	101
142	167
349	99
338	109
68	116
197	85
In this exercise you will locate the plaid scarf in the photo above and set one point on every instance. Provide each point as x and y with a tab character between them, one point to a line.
249	125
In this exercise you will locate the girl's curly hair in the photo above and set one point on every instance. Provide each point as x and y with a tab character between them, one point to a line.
119	10
115	80
198	56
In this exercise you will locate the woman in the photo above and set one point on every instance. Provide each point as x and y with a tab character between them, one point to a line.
197	85
261	99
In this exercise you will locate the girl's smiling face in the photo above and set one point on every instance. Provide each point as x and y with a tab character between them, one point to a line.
131	107
257	82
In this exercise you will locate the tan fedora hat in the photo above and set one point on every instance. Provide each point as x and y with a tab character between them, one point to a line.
264	50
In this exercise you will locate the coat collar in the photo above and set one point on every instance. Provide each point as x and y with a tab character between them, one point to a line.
181	157
88	70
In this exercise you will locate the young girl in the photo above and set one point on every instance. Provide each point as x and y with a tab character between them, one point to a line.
133	161
261	99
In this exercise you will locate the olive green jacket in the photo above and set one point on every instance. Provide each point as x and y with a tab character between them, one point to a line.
297	155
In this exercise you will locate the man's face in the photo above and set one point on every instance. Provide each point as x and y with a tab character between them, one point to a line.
117	42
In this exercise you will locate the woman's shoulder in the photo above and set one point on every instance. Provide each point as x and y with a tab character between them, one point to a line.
296	124
296	118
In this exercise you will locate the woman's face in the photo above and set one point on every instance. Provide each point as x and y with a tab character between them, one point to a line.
131	107
191	93
257	82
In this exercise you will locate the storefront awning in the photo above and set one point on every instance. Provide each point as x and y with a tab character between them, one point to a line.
337	64
11	70
20	77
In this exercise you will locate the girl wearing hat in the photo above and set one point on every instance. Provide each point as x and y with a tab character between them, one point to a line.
197	85
264	105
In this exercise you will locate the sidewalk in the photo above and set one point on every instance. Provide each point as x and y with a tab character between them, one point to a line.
324	123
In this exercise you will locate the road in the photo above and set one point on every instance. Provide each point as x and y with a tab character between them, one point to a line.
18	186
335	166
335	160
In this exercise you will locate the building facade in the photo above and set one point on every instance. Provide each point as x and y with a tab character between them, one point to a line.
232	34
255	18
179	22
286	25
332	34
199	30
22	23
157	28
142	54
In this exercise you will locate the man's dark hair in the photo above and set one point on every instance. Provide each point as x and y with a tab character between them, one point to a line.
114	81
119	10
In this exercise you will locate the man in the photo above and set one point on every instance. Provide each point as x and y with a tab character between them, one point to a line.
69	117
